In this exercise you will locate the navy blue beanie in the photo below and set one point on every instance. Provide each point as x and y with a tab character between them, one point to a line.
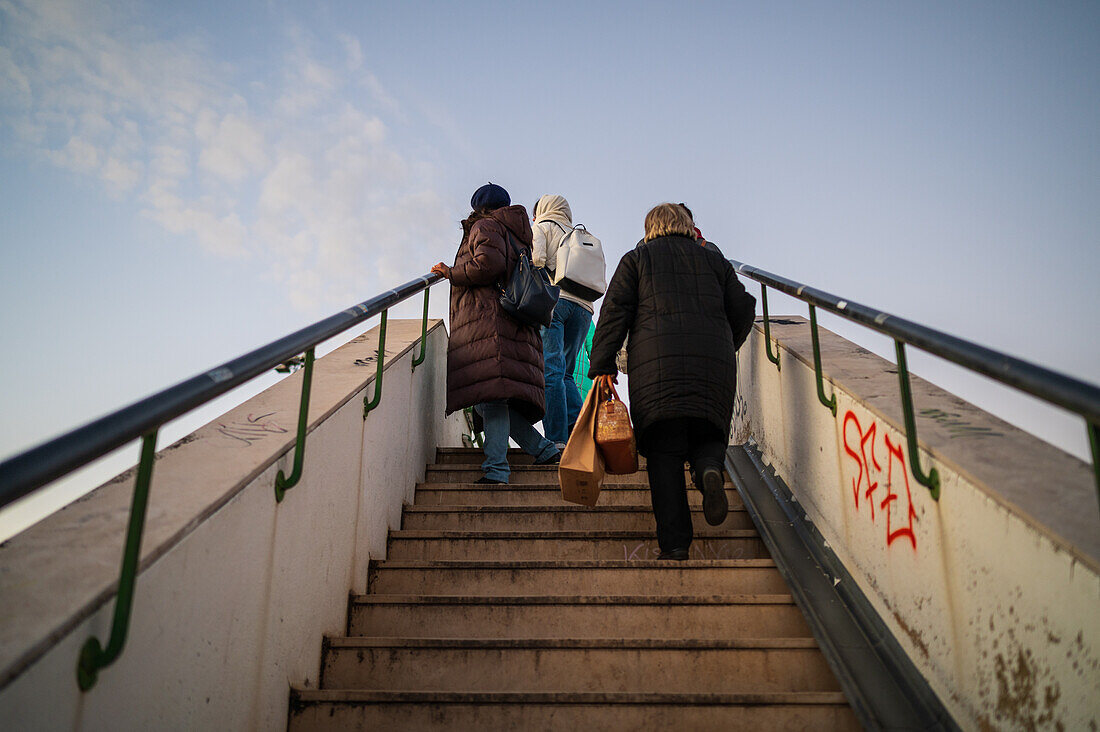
489	197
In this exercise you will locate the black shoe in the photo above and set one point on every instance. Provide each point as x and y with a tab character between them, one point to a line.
486	480
715	505
678	555
552	460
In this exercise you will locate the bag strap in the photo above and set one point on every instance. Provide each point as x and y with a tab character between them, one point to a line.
519	255
609	386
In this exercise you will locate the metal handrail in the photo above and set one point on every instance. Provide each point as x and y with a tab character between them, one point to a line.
30	470
1064	391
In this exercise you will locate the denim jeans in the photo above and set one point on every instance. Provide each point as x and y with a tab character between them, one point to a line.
561	342
501	421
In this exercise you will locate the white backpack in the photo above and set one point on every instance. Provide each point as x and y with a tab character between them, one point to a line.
580	266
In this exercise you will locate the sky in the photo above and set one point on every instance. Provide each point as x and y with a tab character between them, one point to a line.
183	182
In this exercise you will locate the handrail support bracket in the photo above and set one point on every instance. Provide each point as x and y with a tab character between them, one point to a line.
94	656
767	329
371	403
282	482
829	402
932	480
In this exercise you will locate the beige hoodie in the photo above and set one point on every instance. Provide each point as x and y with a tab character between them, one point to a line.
553	220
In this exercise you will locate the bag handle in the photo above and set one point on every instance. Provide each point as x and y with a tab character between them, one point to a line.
609	386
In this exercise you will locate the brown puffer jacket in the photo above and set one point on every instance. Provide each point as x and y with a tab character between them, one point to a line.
490	356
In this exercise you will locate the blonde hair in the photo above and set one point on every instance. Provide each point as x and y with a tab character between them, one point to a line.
668	219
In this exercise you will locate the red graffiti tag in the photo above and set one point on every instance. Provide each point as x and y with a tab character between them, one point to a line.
888	502
869	472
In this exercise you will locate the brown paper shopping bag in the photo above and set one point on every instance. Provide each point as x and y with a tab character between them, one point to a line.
581	470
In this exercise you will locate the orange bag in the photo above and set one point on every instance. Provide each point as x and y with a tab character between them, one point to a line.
614	434
581	470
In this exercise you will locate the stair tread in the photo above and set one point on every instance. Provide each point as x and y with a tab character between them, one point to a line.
573	564
664	600
506	487
542	508
560	534
693	644
573	697
390	634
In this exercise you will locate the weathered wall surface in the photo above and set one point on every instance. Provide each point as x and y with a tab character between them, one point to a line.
236	591
994	590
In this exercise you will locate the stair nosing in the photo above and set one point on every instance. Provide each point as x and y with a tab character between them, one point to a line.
655	644
790	698
506	487
543	508
763	563
559	534
665	600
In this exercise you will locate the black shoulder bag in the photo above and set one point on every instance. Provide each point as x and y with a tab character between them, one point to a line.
528	296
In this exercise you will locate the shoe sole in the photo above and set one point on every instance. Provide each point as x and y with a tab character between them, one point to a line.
715	505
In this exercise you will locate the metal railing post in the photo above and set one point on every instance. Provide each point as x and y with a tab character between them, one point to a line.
1094	443
767	329
829	402
283	483
423	333
932	480
93	656
369	404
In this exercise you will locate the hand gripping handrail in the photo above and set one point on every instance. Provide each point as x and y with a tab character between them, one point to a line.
1064	391
33	469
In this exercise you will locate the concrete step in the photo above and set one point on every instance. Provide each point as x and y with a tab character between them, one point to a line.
577	616
571	665
626	545
545	494
312	710
475	456
561	577
569	517
521	475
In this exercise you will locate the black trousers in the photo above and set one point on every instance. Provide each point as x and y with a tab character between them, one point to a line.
666	445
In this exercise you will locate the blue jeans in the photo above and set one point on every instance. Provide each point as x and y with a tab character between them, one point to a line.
561	342
501	421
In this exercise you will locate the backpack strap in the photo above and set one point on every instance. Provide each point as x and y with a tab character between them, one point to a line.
564	233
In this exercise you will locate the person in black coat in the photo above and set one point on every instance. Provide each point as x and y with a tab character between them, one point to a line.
686	314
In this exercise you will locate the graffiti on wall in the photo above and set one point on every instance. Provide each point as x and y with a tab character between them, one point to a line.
251	429
880	490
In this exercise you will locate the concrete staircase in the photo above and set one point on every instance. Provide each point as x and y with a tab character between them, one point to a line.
503	607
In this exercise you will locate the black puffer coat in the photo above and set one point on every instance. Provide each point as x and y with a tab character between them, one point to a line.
490	356
686	314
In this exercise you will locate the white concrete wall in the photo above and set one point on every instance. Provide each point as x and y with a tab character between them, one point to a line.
994	590
236	591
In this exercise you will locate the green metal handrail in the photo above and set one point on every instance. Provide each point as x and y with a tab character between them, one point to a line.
931	481
93	656
1055	388
829	402
767	330
32	470
283	483
368	402
423	333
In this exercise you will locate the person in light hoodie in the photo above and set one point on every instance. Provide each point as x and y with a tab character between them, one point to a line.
563	339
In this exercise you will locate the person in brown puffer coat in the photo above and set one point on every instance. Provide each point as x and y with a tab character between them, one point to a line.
494	363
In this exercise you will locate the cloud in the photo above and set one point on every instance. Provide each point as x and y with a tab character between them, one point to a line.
293	168
233	149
